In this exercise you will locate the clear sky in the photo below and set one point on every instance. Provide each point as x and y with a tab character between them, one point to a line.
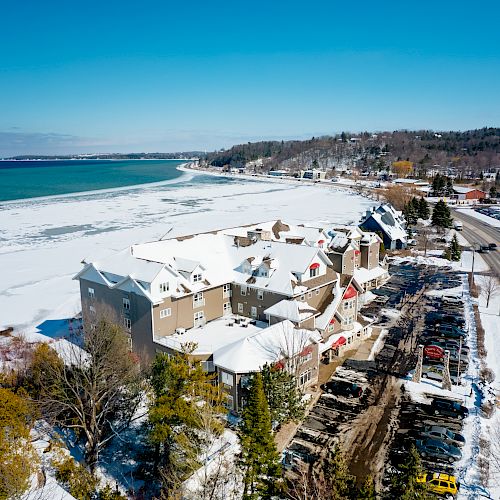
170	76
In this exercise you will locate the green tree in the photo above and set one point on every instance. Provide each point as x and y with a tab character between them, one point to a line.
185	402
367	490
259	459
340	482
455	251
449	187
76	478
438	185
17	457
283	395
493	192
441	215
423	209
410	214
405	484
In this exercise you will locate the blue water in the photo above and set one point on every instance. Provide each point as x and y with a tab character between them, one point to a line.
30	179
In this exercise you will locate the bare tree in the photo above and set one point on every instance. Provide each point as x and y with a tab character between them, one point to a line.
490	288
426	233
96	389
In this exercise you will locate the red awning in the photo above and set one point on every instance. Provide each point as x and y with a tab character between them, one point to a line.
306	351
356	252
332	321
340	341
350	293
314	266
320	242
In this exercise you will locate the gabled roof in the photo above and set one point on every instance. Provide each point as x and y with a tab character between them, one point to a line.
269	345
390	221
292	310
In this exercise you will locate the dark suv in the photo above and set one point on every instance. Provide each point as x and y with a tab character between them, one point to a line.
449	408
433	318
343	388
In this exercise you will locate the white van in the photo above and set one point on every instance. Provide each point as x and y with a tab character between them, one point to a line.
458	225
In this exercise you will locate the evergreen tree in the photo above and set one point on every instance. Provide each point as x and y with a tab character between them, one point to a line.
185	402
367	490
283	395
493	192
441	215
438	185
449	187
259	458
405	485
423	209
339	481
410	214
455	249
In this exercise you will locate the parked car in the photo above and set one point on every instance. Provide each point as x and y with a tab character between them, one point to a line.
451	331
441	484
436	317
484	249
343	388
443	434
433	449
449	408
435	372
448	299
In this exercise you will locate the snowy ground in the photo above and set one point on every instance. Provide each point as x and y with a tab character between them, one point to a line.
42	242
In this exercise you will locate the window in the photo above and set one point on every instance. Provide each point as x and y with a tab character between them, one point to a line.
240	308
126	304
263	273
226	378
305	377
226	291
313	272
197	277
260	294
164	287
317	291
198	299
226	308
129	342
92	309
229	402
199	318
253	312
165	313
348	304
127	323
331	327
302	298
243	290
306	358
91	293
309	295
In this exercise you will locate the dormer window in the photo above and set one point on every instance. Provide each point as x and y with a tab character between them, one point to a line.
313	270
197	278
164	287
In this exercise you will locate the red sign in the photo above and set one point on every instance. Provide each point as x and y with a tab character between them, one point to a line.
434	352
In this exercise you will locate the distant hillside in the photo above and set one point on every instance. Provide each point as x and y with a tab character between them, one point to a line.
113	156
473	150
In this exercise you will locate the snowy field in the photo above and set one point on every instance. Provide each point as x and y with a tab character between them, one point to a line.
42	241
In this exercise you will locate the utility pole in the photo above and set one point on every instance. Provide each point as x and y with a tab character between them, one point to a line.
473	254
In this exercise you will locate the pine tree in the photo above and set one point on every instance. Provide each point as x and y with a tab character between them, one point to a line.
340	482
259	458
455	249
367	490
185	403
410	214
405	485
423	209
449	187
441	215
283	395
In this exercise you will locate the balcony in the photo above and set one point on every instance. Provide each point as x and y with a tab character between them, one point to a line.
198	303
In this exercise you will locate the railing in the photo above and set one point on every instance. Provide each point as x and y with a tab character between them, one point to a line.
198	303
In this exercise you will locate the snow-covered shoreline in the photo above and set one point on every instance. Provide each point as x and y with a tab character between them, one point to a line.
42	241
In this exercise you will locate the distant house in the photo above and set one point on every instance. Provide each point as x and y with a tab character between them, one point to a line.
313	174
389	222
468	193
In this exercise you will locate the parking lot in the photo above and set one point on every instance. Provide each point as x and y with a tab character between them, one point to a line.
380	425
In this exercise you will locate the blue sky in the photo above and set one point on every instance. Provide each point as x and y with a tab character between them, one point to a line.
162	76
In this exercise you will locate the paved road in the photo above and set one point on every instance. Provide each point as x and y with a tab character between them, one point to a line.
478	233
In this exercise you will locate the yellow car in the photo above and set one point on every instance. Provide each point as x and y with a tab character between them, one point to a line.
442	484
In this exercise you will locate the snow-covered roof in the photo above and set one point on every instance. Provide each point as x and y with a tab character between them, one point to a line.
464	189
363	275
390	220
279	341
292	310
70	353
324	319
